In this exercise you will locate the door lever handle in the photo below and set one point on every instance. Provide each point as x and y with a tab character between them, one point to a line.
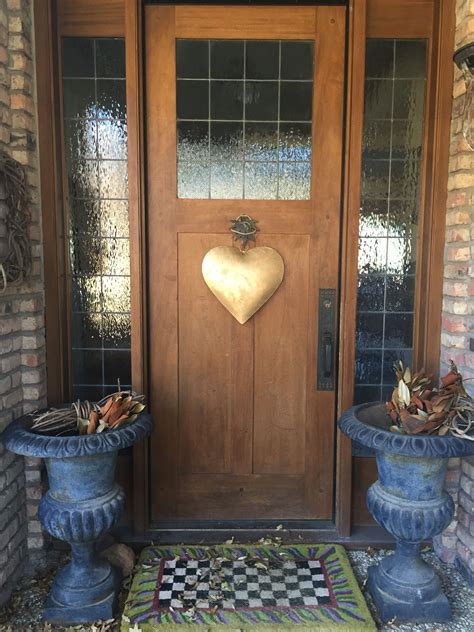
327	354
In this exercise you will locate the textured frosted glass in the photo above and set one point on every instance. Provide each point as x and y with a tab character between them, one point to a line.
391	179
238	103
193	180
95	146
227	180
294	180
261	180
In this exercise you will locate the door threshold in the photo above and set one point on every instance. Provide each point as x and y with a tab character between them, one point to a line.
361	537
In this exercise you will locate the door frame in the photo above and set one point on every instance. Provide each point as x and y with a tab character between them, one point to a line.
431	19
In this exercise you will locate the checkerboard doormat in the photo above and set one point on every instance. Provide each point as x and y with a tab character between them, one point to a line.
245	588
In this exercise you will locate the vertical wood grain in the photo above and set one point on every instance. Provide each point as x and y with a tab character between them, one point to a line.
138	250
205	377
281	357
49	147
162	249
324	271
349	253
429	299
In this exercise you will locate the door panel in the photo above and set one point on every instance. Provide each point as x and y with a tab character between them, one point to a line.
241	430
282	351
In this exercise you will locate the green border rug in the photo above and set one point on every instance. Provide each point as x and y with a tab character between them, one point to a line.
348	610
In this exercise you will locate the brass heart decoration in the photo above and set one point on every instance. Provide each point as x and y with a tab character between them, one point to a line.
243	281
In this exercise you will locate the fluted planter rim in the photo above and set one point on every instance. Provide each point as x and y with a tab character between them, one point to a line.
20	439
378	438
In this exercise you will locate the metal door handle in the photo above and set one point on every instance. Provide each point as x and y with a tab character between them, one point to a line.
325	342
327	354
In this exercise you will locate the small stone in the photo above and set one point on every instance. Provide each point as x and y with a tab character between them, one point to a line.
120	555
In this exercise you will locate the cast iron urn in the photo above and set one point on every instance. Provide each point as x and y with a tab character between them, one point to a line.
408	500
82	502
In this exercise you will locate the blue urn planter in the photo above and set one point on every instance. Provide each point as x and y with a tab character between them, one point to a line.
409	501
83	501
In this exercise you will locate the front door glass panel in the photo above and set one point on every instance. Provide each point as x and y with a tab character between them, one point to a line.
244	110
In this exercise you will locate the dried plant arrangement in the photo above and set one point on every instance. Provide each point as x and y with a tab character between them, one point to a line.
84	417
417	406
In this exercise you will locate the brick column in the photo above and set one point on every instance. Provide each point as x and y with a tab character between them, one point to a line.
22	344
456	544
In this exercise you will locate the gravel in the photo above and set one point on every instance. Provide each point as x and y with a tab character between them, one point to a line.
23	612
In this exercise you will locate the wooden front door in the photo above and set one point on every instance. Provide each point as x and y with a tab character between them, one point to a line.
244	114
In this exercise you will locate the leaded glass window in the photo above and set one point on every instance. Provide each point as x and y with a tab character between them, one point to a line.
244	111
389	215
95	136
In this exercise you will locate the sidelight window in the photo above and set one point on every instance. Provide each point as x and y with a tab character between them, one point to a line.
95	141
389	215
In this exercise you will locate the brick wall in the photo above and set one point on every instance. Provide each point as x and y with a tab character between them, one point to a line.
457	542
22	351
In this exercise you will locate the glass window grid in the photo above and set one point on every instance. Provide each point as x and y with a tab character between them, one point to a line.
105	238
280	164
378	382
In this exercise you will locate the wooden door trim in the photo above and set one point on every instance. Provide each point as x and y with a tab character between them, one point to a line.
327	177
436	149
162	304
138	247
349	252
49	147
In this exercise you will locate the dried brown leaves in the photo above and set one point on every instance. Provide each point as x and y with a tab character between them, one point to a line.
418	407
84	417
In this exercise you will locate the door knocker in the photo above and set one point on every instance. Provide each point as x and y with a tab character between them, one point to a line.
243	279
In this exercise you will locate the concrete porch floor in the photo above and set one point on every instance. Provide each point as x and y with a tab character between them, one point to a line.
23	612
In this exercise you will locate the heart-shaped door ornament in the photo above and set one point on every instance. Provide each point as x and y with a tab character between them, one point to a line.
243	281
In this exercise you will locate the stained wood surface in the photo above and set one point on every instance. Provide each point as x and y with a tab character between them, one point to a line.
364	473
399	18
91	18
138	251
49	148
231	22
242	432
350	251
429	298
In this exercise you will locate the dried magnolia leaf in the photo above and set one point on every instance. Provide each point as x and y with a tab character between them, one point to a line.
93	421
407	375
403	393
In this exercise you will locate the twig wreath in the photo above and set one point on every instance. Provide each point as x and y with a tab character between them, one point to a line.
16	265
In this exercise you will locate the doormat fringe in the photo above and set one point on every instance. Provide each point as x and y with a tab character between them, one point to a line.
238	588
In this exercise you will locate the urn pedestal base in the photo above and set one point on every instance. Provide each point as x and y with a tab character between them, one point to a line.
85	590
411	608
89	611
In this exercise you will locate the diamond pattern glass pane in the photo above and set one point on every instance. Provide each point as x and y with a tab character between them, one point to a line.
244	110
95	129
391	153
